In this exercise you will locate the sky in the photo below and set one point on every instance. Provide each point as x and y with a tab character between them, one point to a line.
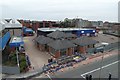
104	10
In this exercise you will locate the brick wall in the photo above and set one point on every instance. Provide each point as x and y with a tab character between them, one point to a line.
57	54
82	49
70	51
41	47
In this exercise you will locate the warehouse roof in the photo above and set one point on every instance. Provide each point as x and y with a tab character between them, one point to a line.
83	41
16	39
61	29
43	40
11	23
61	44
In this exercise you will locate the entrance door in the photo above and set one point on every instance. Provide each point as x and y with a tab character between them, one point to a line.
63	52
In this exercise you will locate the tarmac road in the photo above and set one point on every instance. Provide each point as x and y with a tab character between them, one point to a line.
110	65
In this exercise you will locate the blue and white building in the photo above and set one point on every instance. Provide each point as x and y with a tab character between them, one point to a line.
77	31
7	30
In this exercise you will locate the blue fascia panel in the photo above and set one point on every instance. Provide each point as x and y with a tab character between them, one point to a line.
17	44
4	40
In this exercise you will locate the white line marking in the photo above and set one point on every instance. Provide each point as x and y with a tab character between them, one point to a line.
49	76
99	68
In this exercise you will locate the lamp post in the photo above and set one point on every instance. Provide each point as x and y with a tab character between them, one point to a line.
101	61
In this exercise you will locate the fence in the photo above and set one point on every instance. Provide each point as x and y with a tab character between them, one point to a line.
109	47
10	70
26	76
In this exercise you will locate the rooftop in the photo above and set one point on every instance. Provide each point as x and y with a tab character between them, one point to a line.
83	41
16	39
61	29
11	24
61	44
57	34
43	40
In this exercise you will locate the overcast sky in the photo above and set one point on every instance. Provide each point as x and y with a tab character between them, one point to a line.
105	10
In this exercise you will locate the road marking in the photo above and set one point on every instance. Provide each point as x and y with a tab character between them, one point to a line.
99	68
49	76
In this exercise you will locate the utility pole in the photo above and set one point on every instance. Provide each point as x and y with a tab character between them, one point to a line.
101	64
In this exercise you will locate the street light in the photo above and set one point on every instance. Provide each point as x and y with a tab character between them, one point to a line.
102	50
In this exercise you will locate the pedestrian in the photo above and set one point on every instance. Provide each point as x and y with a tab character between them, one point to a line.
87	78
90	77
110	76
48	60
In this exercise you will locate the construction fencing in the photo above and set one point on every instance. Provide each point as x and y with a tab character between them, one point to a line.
109	47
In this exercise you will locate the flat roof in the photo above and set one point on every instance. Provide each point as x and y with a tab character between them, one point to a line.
61	29
16	39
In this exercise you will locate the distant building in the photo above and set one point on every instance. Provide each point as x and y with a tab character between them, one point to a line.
26	23
81	23
77	31
13	26
39	24
97	23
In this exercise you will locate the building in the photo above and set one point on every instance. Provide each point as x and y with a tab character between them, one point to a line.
16	42
83	23
27	31
13	26
97	23
39	24
58	43
26	23
4	36
60	48
41	43
83	43
77	31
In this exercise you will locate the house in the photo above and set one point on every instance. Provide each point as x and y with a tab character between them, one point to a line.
41	42
60	48
83	43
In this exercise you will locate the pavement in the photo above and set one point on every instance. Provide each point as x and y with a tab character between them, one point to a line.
90	66
37	58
